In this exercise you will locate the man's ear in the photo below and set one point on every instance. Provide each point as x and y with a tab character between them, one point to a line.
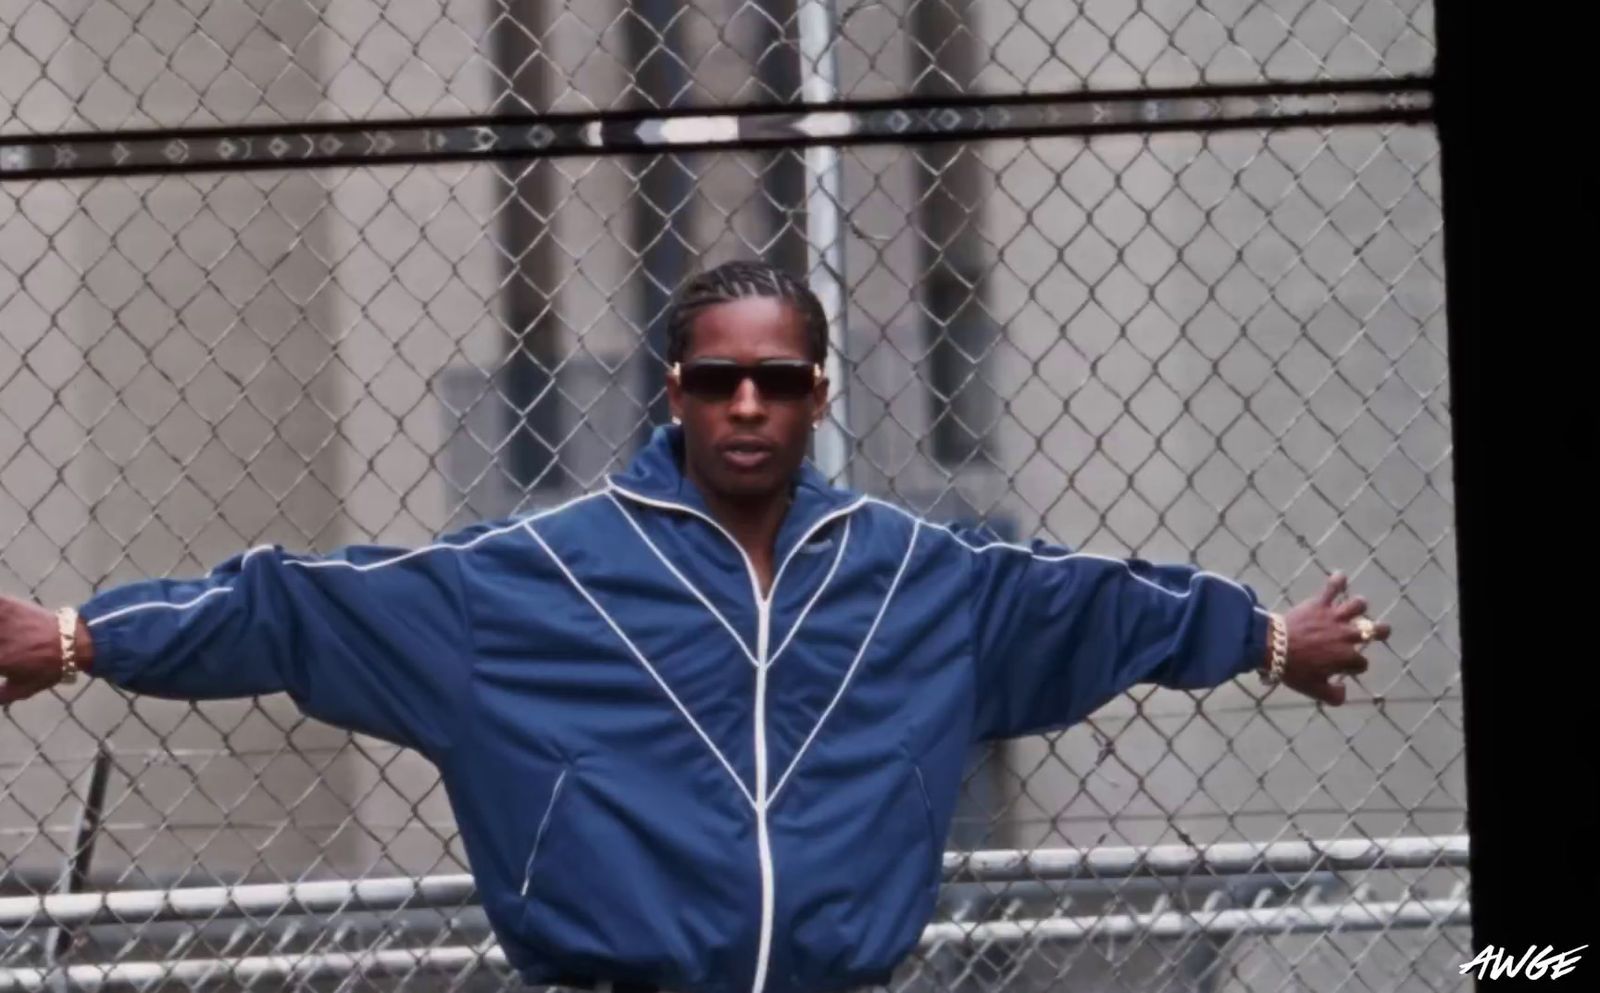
674	394
819	402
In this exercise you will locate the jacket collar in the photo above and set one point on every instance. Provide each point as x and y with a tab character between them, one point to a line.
656	475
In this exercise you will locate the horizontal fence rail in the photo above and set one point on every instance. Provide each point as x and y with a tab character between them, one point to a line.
255	969
1112	862
688	130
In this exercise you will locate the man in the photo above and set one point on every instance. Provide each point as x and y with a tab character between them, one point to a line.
703	730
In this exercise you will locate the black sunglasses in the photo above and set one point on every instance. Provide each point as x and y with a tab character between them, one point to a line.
775	379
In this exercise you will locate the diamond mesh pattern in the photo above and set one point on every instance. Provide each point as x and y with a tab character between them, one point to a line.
98	64
1224	348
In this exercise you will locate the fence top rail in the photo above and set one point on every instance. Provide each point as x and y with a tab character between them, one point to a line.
454	890
906	121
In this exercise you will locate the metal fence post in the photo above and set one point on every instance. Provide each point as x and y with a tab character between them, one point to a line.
825	233
75	871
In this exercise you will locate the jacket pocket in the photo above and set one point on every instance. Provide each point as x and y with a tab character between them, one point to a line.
935	848
606	870
544	825
851	918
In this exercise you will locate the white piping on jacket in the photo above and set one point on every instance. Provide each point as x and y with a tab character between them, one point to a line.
704	600
763	636
135	608
755	584
555	791
336	563
1065	556
860	654
643	661
838	557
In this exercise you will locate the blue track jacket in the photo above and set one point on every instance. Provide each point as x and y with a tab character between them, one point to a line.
660	775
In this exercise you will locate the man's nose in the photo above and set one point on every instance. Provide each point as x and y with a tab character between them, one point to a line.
747	403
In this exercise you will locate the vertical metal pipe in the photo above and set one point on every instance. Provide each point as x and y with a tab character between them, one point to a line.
75	874
825	232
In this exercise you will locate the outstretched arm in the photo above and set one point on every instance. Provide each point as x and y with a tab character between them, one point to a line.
1059	633
369	639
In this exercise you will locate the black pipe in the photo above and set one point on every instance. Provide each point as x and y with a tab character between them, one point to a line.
783	180
661	207
526	379
954	258
76	877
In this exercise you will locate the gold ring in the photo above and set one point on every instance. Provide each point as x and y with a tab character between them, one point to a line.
1366	628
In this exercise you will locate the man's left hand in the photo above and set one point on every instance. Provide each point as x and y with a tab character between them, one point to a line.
1326	638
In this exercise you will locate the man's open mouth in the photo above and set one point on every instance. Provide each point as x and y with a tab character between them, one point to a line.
746	454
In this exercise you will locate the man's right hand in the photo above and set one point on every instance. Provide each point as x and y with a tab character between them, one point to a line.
30	650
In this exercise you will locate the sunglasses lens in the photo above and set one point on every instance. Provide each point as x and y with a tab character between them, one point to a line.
711	381
773	380
783	382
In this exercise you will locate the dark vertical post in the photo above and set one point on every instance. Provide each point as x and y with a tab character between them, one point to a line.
75	878
783	183
660	215
953	262
526	380
950	188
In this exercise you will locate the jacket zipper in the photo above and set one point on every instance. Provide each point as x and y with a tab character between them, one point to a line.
769	884
763	635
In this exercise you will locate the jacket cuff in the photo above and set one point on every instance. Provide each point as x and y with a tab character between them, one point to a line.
1256	642
108	660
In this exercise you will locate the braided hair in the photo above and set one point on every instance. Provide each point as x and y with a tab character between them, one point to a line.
740	280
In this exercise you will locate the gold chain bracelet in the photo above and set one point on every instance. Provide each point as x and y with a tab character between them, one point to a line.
1273	673
67	624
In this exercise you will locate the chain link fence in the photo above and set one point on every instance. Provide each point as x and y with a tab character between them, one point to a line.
107	64
1218	346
